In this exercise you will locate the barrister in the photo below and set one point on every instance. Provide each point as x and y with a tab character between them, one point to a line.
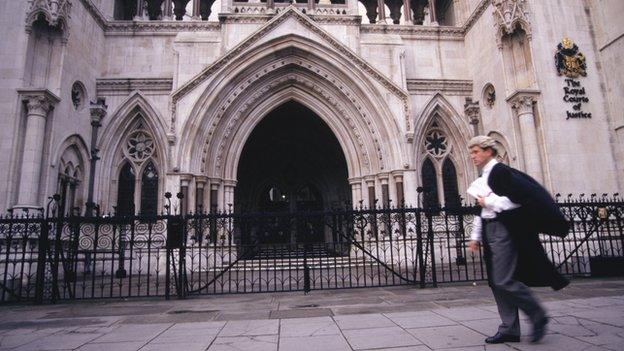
515	208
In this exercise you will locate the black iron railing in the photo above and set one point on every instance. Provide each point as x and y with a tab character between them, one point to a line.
59	258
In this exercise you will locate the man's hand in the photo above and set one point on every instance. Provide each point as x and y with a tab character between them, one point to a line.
481	200
473	246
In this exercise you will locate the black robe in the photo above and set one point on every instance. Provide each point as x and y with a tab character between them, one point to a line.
537	213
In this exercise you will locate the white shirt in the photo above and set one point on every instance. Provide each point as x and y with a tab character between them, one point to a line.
493	203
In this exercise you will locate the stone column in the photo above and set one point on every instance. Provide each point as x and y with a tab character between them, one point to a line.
228	194
407	12
167	10
432	13
473	114
522	105
214	197
356	191
139	12
381	11
98	111
38	104
184	189
385	190
196	14
398	181
200	186
370	185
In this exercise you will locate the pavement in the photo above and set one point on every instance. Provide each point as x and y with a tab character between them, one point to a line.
587	315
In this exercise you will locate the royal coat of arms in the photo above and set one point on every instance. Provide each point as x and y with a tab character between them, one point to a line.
569	61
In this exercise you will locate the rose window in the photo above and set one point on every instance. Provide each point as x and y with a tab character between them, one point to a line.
140	146
436	143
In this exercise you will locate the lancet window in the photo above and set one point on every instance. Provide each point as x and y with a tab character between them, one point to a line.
138	175
438	171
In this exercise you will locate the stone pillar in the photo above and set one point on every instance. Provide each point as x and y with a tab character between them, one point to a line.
98	111
196	15
214	197
398	182
381	11
385	190
522	105
184	189
167	10
228	194
407	12
356	191
38	104
432	13
370	185
473	114
200	193
139	12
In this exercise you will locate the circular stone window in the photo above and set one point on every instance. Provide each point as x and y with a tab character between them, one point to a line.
78	95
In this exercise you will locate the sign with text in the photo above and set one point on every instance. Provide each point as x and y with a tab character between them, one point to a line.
575	95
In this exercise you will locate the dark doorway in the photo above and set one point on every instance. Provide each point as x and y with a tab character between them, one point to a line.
291	164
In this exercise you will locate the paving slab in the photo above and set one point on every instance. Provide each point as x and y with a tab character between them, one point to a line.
363	321
448	336
314	343
307	327
245	343
419	319
376	338
250	328
109	346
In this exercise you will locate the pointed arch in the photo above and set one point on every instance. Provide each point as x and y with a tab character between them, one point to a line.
70	159
134	115
439	115
309	73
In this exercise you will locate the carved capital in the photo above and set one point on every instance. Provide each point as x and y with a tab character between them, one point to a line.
98	110
38	102
55	12
472	111
523	104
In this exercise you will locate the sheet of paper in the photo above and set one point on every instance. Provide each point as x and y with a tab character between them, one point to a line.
478	188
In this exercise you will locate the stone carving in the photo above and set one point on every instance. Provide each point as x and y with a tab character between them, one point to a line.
139	146
436	143
292	79
569	60
510	14
472	111
489	95
78	95
308	23
55	12
523	104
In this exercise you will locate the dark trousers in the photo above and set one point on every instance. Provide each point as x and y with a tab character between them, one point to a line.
510	294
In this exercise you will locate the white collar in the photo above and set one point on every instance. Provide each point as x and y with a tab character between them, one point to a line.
488	166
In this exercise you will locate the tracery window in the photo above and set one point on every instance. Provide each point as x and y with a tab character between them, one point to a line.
438	171
137	188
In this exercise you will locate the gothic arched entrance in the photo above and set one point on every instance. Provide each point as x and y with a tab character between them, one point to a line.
291	165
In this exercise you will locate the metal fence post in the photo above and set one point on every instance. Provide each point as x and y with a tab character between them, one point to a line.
41	262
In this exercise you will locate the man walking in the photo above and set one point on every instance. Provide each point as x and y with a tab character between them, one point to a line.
515	208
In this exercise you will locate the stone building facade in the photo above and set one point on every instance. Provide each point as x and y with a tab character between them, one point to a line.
268	105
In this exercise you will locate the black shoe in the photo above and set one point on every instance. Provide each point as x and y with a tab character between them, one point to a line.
539	330
500	338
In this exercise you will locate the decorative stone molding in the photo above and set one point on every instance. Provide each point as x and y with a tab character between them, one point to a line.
55	12
308	23
476	14
416	31
38	101
508	15
124	86
522	101
447	86
95	13
472	111
120	28
98	111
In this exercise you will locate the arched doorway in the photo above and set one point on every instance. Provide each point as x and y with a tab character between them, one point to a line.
291	165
